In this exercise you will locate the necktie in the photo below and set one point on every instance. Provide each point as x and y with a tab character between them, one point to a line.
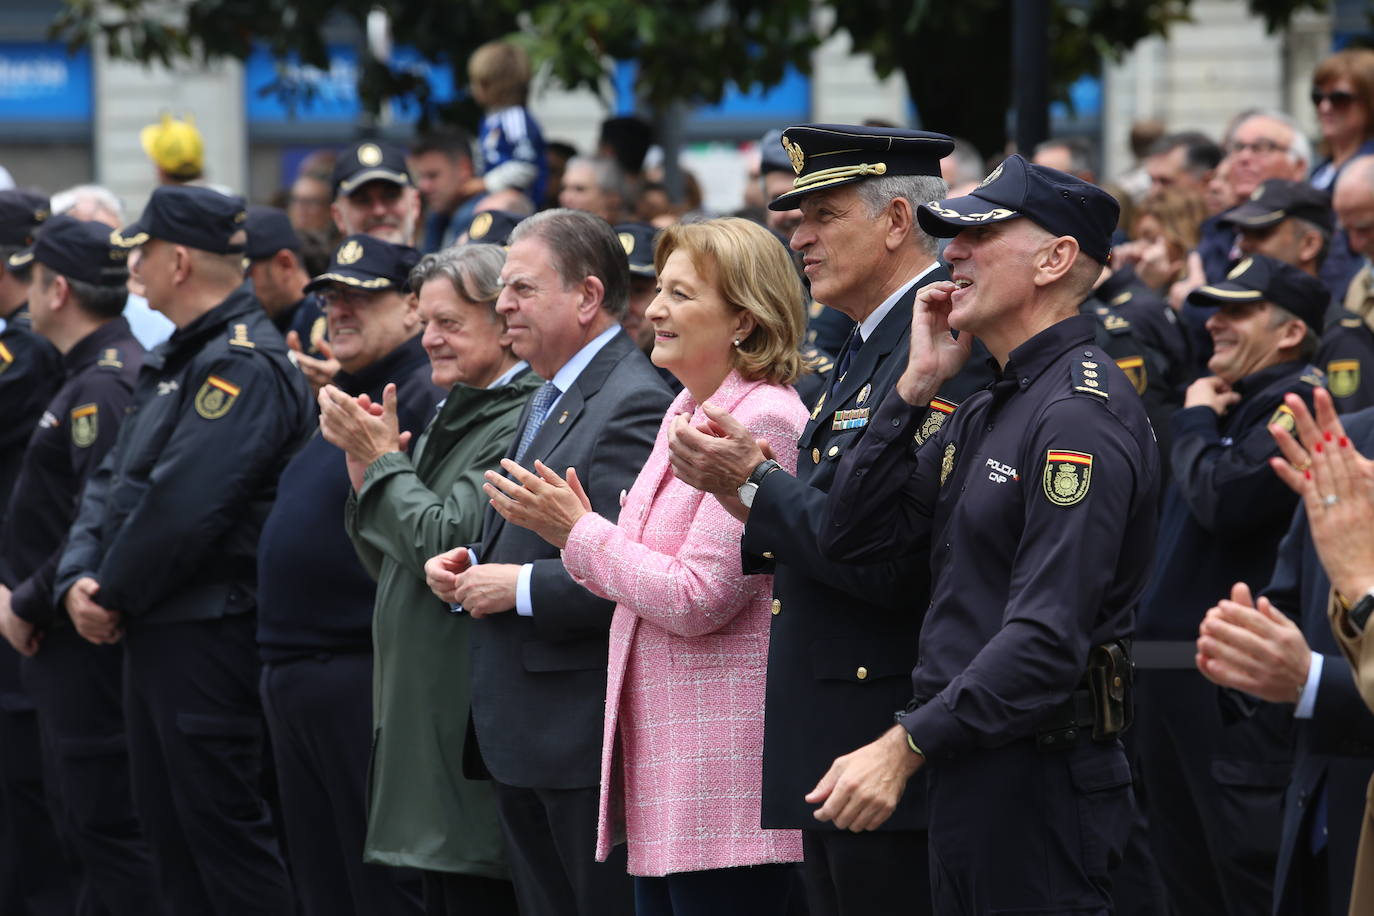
539	407
851	349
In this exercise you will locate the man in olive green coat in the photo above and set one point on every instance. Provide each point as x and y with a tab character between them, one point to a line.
422	812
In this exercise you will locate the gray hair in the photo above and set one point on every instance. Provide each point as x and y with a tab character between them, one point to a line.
474	270
609	178
582	246
1299	149
877	193
88	197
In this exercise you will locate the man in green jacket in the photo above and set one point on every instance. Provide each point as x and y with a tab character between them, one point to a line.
422	812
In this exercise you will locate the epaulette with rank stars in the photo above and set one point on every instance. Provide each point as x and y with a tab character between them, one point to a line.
1087	375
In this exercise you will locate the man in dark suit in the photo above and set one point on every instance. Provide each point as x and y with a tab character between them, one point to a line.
1266	655
539	657
843	640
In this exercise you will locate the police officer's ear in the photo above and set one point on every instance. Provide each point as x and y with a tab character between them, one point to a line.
1310	245
903	223
1056	258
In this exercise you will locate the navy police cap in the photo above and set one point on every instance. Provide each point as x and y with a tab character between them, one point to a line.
367	262
21	213
188	215
827	156
1059	203
1260	278
369	161
78	250
638	241
1276	200
493	227
269	231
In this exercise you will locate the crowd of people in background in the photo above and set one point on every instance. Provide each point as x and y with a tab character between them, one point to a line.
478	527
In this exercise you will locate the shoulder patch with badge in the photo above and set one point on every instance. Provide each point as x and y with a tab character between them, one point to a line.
940	409
1283	418
1067	476
1343	377
1134	367
215	397
85	425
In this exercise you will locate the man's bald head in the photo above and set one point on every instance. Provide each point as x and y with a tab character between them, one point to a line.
1354	203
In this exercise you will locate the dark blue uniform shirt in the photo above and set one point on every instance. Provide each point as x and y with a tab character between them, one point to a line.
30	371
169	522
71	438
1225	510
1039	496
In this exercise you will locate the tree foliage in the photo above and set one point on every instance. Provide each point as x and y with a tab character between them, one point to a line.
956	56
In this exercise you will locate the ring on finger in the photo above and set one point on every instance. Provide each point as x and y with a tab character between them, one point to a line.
1331	499
1304	466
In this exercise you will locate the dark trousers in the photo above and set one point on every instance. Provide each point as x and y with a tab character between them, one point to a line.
76	688
195	752
751	890
550	841
451	894
858	874
1017	830
319	715
1215	790
34	877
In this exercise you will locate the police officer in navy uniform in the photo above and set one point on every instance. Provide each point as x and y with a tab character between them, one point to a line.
31	867
279	278
76	296
164	553
843	639
1039	497
1215	767
316	598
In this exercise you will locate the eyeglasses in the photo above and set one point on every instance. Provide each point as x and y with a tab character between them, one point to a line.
1338	98
354	298
1258	147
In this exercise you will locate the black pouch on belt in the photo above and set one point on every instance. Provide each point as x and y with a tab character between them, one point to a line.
1109	679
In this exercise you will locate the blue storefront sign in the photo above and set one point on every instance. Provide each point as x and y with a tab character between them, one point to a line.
315	95
39	81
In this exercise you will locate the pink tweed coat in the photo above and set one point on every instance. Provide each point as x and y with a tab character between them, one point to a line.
681	758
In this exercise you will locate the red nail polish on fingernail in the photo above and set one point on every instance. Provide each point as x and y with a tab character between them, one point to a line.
1327	434
1344	441
1307	474
1317	448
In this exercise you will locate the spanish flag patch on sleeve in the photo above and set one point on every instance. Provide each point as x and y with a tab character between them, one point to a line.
215	397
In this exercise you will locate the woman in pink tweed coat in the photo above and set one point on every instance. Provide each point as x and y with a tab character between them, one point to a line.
683	739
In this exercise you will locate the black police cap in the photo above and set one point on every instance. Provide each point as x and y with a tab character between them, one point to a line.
1276	200
269	231
1260	278
828	156
367	262
188	215
638	241
1059	203
369	161
21	213
78	250
493	227
772	156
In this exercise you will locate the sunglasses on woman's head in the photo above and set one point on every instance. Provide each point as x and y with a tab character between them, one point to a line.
1338	98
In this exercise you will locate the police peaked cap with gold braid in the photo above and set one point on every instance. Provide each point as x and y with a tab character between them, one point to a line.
827	156
78	250
369	161
1260	278
1060	203
493	227
192	216
366	262
638	241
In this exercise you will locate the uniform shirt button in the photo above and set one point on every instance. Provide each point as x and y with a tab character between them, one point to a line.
777	607
896	422
861	673
768	554
834	450
815	456
989	427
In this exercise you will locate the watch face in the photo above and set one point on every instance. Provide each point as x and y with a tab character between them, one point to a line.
746	494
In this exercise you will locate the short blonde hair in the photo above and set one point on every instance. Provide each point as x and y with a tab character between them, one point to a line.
753	272
500	71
